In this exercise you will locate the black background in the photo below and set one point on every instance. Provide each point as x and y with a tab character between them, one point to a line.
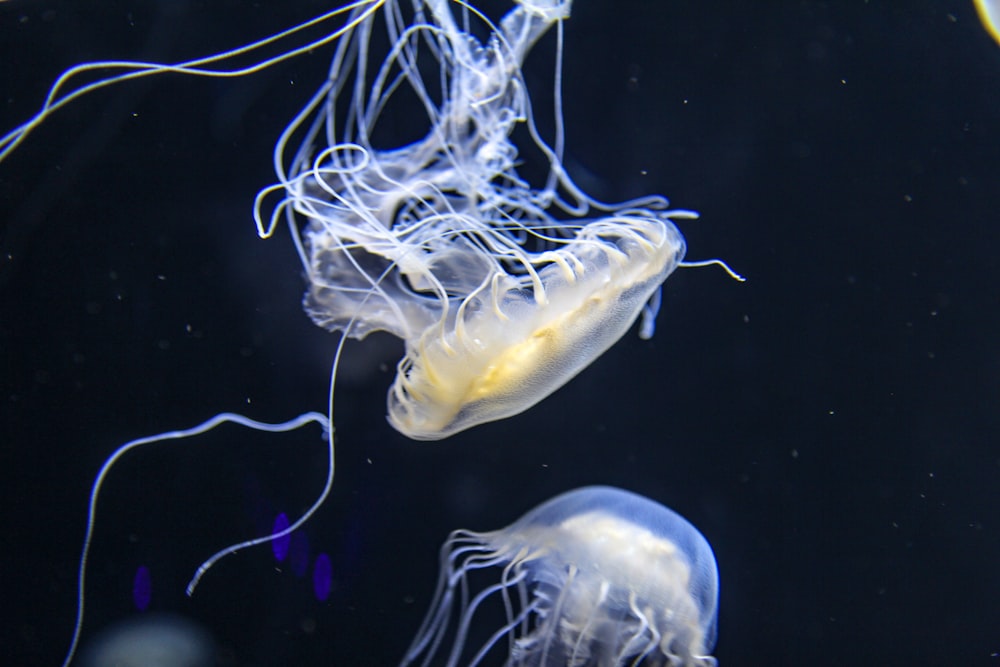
830	425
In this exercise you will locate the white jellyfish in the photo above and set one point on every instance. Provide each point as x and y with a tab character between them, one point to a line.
595	576
502	290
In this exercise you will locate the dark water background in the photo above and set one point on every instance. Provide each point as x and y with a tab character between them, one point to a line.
831	425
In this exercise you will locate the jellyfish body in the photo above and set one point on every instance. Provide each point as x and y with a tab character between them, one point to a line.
501	290
596	576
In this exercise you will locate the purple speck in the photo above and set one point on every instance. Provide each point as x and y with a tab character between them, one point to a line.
322	577
279	546
142	588
299	553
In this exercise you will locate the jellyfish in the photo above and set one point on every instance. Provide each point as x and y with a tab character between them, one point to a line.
501	290
595	576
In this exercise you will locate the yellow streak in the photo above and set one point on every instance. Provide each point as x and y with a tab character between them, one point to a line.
989	14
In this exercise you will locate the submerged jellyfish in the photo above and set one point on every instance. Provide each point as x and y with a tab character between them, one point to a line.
501	290
595	576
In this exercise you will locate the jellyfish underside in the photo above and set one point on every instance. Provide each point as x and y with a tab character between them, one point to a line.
501	291
596	576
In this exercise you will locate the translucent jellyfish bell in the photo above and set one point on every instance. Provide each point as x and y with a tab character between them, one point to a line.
501	290
596	576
